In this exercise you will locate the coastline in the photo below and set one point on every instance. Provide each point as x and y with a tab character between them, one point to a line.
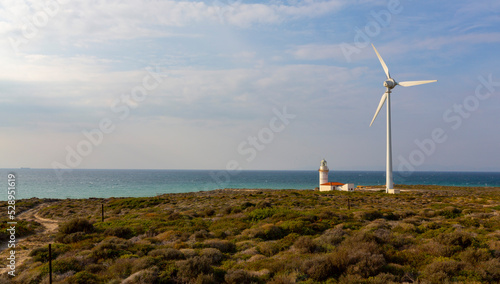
43	183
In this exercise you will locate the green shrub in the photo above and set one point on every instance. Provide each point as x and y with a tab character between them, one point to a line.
167	254
200	235
296	226
76	225
42	254
442	270
305	245
450	212
320	268
206	279
269	248
382	278
120	232
261	214
61	266
239	276
222	245
209	212
270	232
122	267
111	247
145	276
71	238
214	255
191	268
84	277
457	238
474	256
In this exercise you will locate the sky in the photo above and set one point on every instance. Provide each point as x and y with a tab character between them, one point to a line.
253	85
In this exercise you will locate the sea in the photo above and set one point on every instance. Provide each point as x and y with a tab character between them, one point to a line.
81	183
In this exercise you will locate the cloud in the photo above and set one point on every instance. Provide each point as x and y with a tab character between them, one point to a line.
96	21
317	52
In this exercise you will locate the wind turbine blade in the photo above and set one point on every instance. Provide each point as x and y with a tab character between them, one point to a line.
386	70
382	101
415	83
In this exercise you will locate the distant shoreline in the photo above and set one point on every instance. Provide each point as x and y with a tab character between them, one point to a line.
365	189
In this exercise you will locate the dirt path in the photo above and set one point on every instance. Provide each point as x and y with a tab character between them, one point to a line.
26	244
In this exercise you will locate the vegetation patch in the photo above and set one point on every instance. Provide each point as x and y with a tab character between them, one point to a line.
429	234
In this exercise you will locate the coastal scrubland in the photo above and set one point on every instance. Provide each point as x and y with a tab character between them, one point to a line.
426	234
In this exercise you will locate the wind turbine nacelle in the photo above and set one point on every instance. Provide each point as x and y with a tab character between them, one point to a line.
390	83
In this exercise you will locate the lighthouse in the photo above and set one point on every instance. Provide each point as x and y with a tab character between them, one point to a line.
324	185
323	172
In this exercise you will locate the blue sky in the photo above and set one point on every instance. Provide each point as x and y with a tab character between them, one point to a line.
248	84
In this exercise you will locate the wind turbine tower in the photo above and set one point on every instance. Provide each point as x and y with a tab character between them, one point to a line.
390	83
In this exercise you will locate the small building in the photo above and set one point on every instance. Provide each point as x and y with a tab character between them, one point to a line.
324	185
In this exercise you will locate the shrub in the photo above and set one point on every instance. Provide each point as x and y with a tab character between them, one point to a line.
122	267
382	278
365	264
61	266
120	232
111	247
42	254
76	225
206	279
332	236
450	212
145	276
269	248
474	256
167	253
84	277
457	238
282	279
357	257
296	226
200	235
191	268
320	268
270	232
94	268
261	214
71	238
188	253
305	245
263	204
208	212
492	269
239	276
369	215
213	254
442	270
222	245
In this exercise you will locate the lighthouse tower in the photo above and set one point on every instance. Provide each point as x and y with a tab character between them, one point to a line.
323	173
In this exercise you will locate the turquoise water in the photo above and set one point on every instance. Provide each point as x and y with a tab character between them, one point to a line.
45	183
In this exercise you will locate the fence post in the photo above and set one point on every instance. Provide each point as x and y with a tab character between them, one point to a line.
50	263
102	212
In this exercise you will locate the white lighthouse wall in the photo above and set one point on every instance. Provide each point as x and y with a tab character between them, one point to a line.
323	177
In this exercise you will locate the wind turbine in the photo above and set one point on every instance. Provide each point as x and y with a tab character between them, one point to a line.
390	84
